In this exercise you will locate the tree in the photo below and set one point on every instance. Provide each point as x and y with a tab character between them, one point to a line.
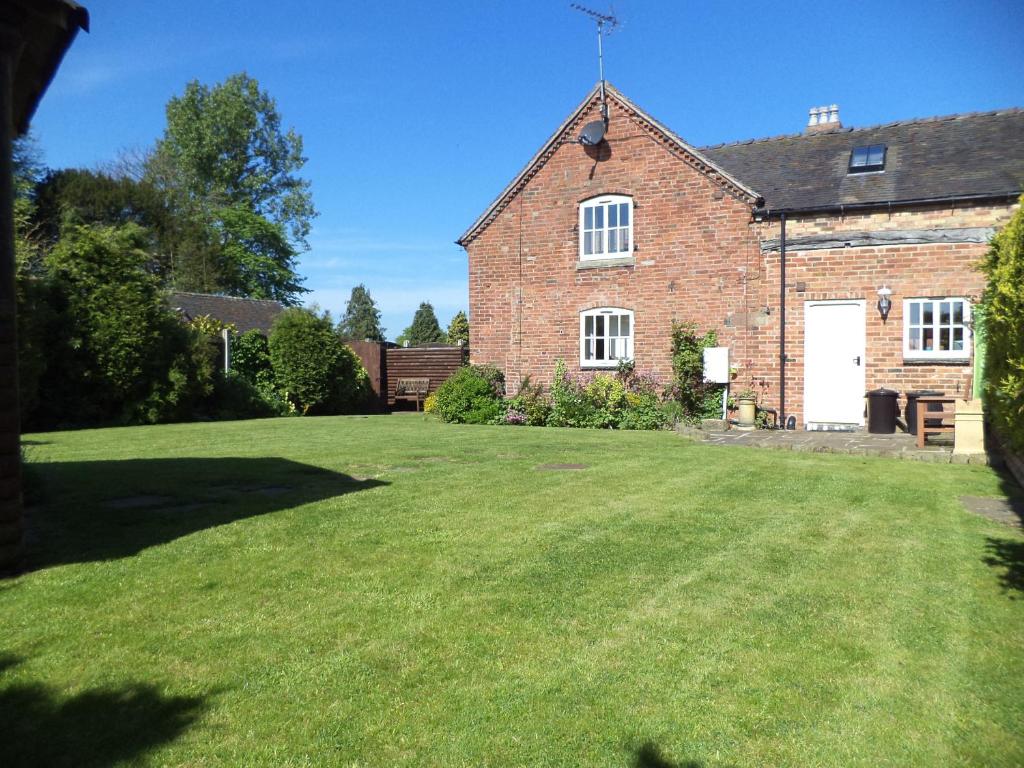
362	318
458	329
225	161
115	351
312	366
78	196
1002	315
424	329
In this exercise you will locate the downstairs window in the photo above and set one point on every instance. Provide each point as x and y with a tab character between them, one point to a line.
936	329
606	337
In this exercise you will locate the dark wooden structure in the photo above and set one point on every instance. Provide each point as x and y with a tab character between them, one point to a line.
34	34
386	364
433	362
376	365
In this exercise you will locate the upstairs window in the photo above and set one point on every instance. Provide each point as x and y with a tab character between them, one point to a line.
869	158
606	337
606	227
936	329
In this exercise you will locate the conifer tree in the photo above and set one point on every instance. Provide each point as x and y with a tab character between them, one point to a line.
458	329
424	329
361	321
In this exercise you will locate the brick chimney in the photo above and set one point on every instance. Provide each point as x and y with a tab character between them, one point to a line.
822	119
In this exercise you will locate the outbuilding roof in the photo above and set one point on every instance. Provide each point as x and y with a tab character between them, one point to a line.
244	314
975	155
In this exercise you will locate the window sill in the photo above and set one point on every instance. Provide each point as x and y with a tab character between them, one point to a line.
937	361
618	261
591	366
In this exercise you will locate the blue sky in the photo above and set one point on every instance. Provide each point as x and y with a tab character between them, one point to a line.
416	114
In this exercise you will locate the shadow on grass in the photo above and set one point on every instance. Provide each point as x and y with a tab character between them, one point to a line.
1007	555
104	510
101	727
649	755
1004	553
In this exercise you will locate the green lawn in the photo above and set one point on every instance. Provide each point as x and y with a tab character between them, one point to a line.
392	591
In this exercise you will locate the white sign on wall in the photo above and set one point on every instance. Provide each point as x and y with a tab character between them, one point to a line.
716	365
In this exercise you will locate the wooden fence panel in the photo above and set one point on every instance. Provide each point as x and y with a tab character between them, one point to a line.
375	363
433	363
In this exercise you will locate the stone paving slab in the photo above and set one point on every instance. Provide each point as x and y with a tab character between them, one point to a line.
1008	511
860	443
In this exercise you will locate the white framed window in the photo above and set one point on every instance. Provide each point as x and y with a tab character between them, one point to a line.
606	227
606	337
936	329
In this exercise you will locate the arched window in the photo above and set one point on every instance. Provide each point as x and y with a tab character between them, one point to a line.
606	337
606	227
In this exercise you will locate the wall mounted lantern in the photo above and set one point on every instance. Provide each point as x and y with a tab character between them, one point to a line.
884	302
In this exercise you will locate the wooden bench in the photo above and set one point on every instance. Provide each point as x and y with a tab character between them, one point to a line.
939	419
412	389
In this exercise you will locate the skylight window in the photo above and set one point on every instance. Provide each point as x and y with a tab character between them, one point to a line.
869	158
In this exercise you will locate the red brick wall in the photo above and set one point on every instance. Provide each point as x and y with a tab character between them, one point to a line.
698	258
695	250
857	273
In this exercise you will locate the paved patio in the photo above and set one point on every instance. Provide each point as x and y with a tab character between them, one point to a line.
861	443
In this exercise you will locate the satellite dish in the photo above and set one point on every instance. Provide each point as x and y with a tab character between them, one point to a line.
592	133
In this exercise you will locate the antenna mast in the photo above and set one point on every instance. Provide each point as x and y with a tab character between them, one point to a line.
613	23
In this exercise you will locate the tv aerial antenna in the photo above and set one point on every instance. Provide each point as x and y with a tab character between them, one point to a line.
607	23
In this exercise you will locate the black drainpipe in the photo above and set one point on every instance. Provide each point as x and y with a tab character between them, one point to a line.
782	324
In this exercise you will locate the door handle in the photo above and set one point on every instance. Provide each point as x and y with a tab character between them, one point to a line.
857	359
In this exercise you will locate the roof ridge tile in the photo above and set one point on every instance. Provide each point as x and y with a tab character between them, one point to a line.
852	129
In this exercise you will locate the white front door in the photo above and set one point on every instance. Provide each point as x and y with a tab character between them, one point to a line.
834	362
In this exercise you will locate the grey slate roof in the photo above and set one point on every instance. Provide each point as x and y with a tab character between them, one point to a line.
968	155
244	314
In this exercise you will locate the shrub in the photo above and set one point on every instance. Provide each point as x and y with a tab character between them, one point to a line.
238	398
570	406
115	352
644	409
607	396
315	369
471	395
697	399
250	355
531	403
1002	312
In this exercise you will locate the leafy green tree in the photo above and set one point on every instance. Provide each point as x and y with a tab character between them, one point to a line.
115	351
312	366
424	329
1002	311
458	329
226	162
362	318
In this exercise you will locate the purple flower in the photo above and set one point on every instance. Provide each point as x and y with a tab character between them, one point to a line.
515	417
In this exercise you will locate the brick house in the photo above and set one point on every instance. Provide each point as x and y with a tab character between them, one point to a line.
591	252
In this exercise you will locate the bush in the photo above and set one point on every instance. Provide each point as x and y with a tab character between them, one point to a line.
250	355
607	396
115	352
697	399
644	409
1002	313
570	406
471	395
238	398
529	406
313	367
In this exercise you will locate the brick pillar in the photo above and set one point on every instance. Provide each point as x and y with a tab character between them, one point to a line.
11	523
